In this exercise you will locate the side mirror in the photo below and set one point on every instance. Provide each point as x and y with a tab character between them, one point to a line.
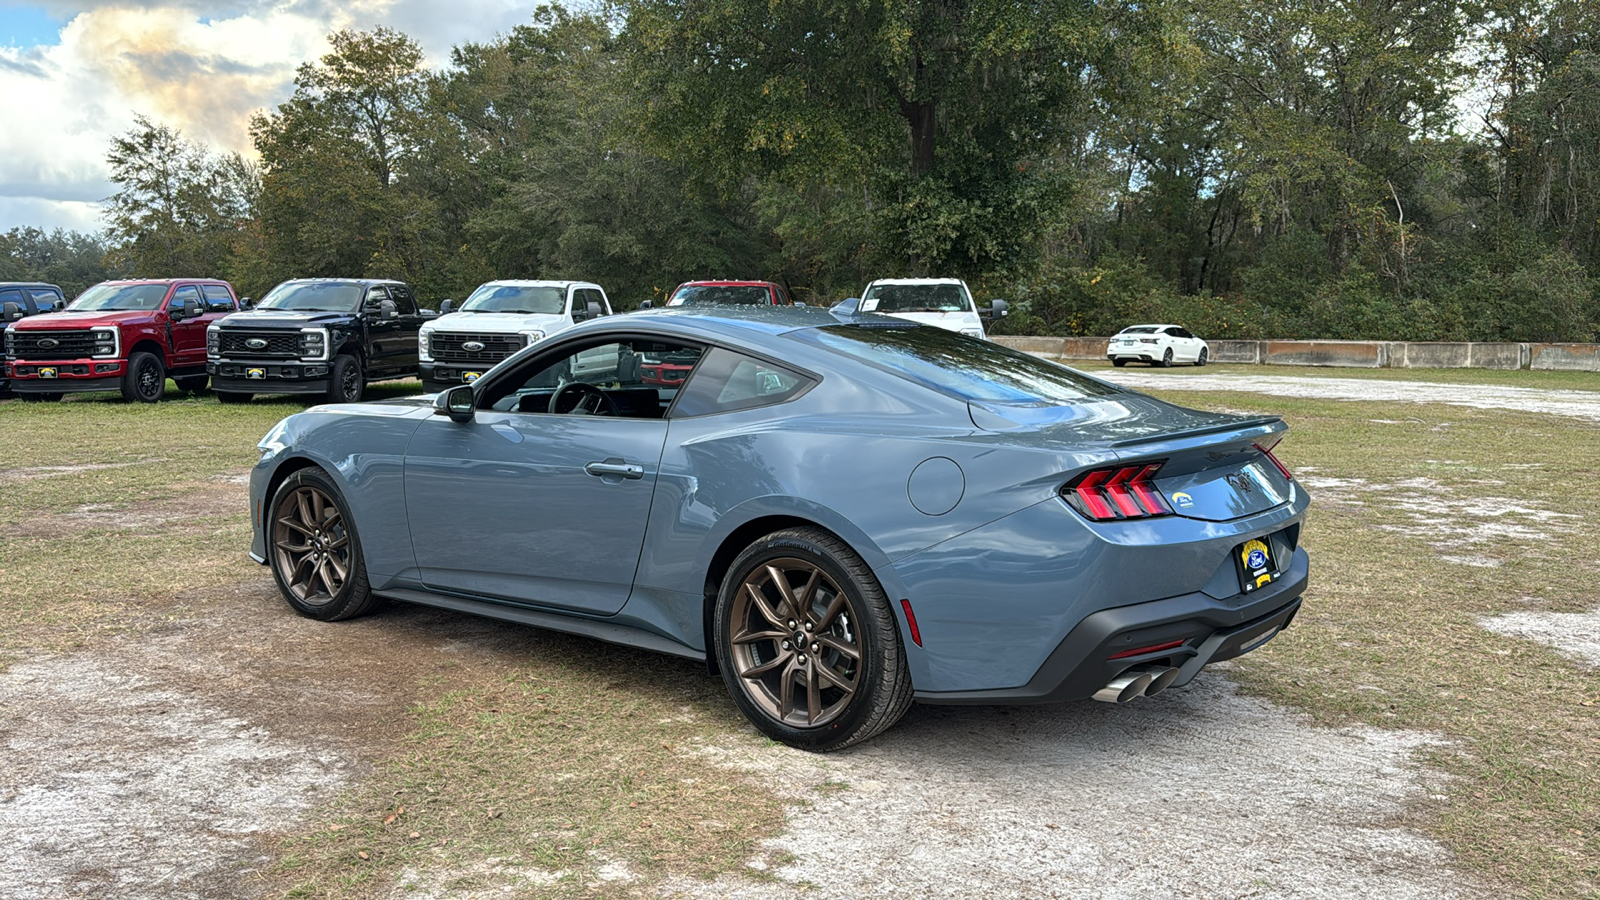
387	310
445	306
428	313
246	303
646	305
595	310
179	310
454	402
11	312
996	310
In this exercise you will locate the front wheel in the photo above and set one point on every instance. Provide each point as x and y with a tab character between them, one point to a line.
344	380
146	380
1166	358
1204	355
807	643
315	551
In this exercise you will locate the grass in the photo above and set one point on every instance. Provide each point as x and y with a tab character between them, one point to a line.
548	769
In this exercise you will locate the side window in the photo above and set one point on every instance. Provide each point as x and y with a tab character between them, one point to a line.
590	295
217	298
187	292
403	300
48	300
375	298
14	297
637	379
728	381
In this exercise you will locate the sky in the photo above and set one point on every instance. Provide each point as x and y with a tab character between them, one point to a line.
75	73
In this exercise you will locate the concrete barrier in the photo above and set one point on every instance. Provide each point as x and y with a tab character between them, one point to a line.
1355	354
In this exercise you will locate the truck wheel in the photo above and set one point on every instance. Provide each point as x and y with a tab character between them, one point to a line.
344	380
808	644
146	380
315	551
232	397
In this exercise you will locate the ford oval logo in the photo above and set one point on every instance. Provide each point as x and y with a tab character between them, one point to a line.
473	346
256	344
48	343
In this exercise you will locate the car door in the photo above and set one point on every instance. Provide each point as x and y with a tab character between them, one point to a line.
405	339
385	331
527	507
188	336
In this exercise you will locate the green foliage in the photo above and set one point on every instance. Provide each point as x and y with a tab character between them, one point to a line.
69	259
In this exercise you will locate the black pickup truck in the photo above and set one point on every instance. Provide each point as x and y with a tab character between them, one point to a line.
18	300
326	336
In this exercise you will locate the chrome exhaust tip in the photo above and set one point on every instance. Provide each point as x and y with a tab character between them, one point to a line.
1161	678
1125	687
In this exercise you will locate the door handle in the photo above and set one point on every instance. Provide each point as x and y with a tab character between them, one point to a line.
626	470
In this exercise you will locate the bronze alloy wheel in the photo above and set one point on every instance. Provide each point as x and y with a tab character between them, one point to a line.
310	545
795	643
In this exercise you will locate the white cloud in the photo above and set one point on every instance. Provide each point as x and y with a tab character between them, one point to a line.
185	65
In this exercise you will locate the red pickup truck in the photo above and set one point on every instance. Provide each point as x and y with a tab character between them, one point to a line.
123	336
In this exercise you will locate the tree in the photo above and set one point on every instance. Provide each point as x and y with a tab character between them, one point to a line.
70	259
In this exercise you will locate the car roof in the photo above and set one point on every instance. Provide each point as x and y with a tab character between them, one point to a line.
29	284
161	280
728	284
527	282
367	281
915	281
1151	325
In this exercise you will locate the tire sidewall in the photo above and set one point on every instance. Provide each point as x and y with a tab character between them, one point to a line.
873	642
1203	357
352	593
343	364
1166	358
133	387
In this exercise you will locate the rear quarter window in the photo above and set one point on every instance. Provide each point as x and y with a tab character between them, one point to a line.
726	381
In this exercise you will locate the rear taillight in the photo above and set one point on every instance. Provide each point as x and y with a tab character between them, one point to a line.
1266	449
1119	492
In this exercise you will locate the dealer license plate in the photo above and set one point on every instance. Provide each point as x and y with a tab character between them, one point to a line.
257	374
1256	569
470	377
47	372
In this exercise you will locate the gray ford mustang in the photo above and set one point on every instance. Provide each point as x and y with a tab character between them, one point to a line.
840	513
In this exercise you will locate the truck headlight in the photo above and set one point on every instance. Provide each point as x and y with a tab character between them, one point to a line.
529	338
213	341
313	344
423	353
107	343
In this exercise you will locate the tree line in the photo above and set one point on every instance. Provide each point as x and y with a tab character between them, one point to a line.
1398	169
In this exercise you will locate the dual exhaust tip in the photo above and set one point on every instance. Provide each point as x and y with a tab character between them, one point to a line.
1139	681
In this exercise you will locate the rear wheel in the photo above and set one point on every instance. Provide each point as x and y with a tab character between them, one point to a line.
1119	362
146	379
232	397
1204	354
192	383
1166	358
807	642
344	380
315	551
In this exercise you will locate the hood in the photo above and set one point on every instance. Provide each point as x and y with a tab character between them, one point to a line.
282	318
950	321
88	318
500	323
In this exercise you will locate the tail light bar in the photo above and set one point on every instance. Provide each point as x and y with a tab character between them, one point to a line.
1117	492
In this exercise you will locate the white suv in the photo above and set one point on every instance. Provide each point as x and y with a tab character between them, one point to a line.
1158	345
944	302
500	318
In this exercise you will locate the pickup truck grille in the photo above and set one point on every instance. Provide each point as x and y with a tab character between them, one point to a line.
447	346
57	344
279	344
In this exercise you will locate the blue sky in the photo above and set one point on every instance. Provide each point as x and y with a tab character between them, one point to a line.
28	26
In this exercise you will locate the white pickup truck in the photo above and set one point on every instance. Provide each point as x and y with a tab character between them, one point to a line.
943	302
500	318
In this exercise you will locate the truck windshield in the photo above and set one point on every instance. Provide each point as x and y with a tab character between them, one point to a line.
121	296
507	298
313	296
722	295
904	298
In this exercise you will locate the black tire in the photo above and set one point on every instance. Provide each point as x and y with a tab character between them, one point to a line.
345	383
232	397
314	550
848	606
40	397
1201	360
146	378
193	384
1119	363
1166	359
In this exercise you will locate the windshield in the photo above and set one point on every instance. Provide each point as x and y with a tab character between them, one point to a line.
1139	329
905	298
504	298
314	296
722	295
965	367
121	296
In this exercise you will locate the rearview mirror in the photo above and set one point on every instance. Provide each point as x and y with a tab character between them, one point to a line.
454	402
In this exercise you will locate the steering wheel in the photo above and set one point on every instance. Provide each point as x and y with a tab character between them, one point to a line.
581	398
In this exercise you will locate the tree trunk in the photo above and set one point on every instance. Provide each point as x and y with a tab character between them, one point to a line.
920	116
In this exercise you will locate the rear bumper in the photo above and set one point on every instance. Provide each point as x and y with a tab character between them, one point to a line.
1211	631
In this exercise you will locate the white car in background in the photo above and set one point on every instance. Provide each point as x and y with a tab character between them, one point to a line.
1158	345
942	302
500	318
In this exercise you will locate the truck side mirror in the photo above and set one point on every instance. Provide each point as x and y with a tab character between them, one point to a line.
388	310
455	403
595	310
996	310
646	304
11	312
179	310
445	306
246	303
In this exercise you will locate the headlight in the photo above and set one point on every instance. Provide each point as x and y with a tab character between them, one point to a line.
529	338
11	341
972	332
107	342
213	341
313	343
423	352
